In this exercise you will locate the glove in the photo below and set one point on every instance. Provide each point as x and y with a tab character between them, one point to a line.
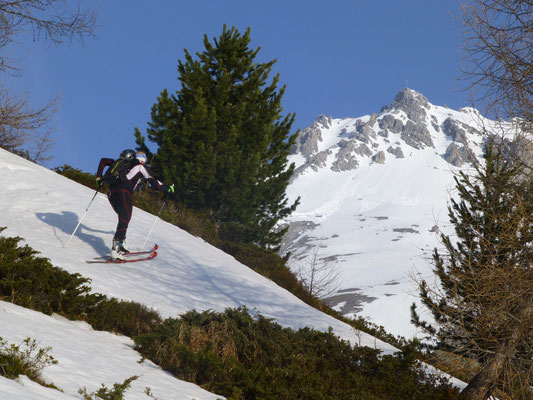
171	189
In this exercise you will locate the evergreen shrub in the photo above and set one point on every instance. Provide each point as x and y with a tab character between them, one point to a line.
77	175
117	393
242	357
125	317
33	282
25	359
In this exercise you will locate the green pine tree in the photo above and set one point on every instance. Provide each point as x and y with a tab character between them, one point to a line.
484	307
221	138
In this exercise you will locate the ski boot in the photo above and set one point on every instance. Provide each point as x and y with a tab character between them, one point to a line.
123	247
118	250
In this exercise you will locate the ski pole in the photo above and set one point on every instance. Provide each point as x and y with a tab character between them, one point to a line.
165	197
79	223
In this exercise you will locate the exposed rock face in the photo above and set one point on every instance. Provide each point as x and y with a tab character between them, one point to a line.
456	130
363	131
409	119
416	135
435	123
388	122
372	121
315	162
346	159
361	136
397	152
307	143
457	155
323	120
459	151
521	147
413	104
379	158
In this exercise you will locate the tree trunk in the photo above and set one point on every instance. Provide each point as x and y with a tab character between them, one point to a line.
481	384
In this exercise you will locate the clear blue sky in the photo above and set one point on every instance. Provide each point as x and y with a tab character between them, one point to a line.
343	58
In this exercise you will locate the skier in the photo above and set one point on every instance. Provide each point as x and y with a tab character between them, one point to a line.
123	176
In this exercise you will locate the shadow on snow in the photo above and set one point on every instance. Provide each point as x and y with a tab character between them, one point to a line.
66	222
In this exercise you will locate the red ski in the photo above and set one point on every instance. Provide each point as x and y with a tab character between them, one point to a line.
108	260
132	253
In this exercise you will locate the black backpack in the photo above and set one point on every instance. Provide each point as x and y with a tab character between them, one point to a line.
116	173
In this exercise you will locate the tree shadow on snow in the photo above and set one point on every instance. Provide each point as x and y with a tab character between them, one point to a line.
66	222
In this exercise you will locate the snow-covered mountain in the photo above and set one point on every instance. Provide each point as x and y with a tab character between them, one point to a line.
374	193
44	208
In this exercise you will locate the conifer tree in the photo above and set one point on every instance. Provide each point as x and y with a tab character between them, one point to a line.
222	140
484	306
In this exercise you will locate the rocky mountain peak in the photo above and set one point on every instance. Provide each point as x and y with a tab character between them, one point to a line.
410	123
414	104
323	120
409	98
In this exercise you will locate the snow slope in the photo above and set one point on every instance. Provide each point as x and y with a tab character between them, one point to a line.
44	208
87	358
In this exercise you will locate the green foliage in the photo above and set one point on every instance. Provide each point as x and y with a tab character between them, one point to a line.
486	276
482	309
148	392
222	140
77	175
117	393
25	359
125	317
33	282
242	357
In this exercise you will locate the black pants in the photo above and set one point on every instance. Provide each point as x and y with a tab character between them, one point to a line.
122	202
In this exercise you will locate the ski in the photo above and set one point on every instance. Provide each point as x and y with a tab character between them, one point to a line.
133	253
108	260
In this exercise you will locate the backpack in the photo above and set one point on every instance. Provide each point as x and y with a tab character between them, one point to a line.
116	173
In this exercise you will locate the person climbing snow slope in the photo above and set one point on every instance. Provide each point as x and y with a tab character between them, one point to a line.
123	175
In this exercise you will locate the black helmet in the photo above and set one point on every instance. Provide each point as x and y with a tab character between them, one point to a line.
128	155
